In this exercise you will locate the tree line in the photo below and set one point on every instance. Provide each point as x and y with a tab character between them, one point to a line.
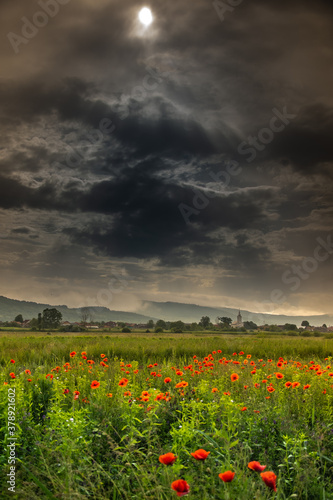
51	319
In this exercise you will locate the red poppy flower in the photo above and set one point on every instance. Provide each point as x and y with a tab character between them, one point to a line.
109	395
227	476
234	377
270	389
12	361
288	384
295	384
28	372
244	408
181	384
65	391
307	386
95	384
123	382
72	354
269	479
181	487
241	353
200	454
167	459
215	389
256	466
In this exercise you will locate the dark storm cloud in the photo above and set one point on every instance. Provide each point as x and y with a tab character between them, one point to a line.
308	141
26	102
147	222
21	230
215	84
170	134
14	194
145	218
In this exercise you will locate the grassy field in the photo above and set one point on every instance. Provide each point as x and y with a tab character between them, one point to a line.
93	414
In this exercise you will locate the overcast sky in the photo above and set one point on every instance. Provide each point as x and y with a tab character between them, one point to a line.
190	160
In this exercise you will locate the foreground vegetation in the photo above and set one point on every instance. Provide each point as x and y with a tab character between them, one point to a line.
95	414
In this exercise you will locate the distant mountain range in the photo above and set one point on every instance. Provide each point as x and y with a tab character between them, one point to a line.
188	313
168	311
10	308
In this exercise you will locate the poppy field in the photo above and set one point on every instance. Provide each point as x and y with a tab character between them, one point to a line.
102	418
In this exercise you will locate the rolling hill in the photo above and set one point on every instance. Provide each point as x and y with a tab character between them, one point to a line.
169	311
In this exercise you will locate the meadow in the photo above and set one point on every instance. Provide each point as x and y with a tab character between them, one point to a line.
158	417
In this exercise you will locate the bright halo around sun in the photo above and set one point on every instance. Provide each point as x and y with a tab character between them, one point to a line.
145	16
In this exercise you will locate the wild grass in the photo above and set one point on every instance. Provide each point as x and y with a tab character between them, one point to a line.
40	349
105	443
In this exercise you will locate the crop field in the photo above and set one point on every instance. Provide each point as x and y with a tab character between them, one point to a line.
147	417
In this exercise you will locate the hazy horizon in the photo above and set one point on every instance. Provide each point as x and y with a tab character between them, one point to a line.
140	307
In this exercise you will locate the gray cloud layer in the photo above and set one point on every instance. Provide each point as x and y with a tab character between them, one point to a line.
178	99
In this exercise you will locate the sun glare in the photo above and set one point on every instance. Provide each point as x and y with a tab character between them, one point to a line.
145	16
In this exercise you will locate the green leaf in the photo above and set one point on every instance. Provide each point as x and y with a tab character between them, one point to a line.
234	443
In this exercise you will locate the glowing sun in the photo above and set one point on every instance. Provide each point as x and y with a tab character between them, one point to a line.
145	16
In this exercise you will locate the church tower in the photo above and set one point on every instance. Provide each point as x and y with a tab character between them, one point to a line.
239	322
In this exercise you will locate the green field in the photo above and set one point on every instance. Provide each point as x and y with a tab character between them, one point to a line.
82	433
